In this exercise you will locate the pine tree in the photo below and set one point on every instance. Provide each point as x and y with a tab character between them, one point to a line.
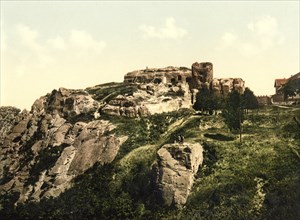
232	113
249	100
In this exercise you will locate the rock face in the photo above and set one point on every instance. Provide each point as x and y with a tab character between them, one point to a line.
177	165
66	102
150	98
44	149
159	75
199	76
8	117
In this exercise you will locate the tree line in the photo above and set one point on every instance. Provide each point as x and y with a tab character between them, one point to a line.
232	107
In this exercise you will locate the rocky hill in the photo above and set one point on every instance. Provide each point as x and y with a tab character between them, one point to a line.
137	150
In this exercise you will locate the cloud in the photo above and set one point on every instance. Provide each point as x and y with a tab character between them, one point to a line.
266	31
227	40
27	35
84	41
57	43
31	52
261	35
168	31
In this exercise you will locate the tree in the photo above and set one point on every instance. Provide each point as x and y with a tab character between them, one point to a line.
232	113
249	100
288	91
207	100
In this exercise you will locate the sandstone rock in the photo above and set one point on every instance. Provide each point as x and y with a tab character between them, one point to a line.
239	85
216	86
162	98
177	166
8	117
48	131
93	145
201	73
68	102
227	85
159	75
200	76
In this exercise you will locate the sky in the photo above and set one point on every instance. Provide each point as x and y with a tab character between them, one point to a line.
46	45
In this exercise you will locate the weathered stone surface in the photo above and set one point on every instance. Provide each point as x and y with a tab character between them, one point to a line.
66	102
159	75
239	85
202	75
94	145
177	165
149	99
229	84
216	86
43	150
199	76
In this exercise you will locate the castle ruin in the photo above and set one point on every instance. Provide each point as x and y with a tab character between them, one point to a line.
199	76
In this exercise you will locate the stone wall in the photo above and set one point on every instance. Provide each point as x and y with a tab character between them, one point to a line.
199	76
159	75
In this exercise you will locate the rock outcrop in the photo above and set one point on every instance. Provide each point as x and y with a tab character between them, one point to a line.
8	117
150	98
159	75
177	164
46	148
66	102
199	76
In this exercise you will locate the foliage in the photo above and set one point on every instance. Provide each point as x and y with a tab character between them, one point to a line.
288	91
143	131
256	179
107	92
295	85
233	116
207	100
249	100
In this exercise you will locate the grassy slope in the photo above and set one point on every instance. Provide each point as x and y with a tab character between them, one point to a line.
256	179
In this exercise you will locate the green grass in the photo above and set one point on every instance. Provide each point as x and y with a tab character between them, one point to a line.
256	179
109	91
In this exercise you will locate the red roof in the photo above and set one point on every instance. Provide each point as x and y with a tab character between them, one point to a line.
280	82
294	77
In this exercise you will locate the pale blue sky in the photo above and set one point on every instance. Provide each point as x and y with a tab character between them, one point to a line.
76	44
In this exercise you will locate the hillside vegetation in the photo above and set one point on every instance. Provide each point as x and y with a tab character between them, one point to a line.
256	179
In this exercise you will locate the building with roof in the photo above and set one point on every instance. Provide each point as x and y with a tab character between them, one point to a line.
293	81
279	84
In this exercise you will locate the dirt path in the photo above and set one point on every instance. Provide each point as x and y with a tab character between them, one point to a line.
287	107
173	127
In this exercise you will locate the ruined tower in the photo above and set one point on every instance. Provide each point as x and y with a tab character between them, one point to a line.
202	75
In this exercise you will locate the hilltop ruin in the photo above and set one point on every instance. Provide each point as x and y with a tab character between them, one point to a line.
199	76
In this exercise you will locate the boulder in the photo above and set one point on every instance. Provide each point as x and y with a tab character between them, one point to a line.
70	102
177	165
